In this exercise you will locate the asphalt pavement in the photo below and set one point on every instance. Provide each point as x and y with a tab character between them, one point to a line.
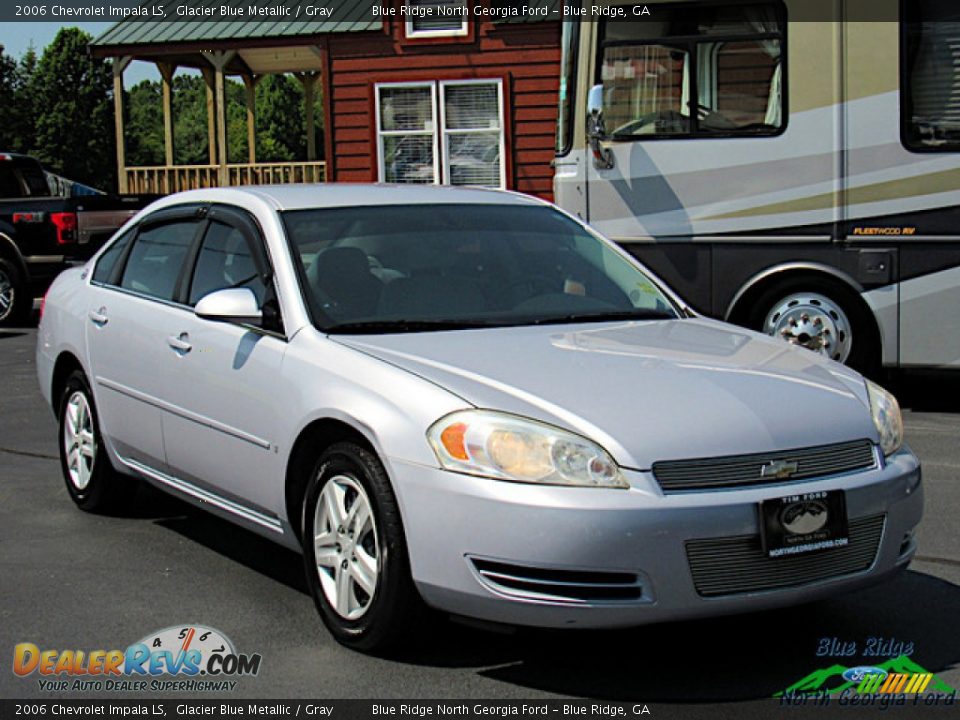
69	579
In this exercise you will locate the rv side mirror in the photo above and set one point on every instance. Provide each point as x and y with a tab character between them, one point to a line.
602	156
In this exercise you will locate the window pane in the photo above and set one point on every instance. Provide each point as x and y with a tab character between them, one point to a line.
739	86
156	258
444	15
932	92
645	89
408	159
471	106
406	108
108	260
474	159
225	262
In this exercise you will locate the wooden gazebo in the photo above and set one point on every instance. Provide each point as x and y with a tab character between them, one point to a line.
249	50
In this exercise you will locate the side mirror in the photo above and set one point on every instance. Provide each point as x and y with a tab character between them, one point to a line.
596	132
233	305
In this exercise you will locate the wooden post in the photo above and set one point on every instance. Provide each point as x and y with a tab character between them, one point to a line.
166	74
219	60
211	116
309	80
119	65
250	83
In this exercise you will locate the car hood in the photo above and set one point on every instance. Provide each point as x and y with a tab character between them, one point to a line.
647	391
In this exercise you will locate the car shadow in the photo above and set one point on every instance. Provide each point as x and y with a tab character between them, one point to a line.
725	659
223	537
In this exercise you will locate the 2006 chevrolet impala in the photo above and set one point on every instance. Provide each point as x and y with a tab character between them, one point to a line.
468	400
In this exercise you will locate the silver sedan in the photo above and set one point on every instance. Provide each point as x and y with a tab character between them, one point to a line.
466	400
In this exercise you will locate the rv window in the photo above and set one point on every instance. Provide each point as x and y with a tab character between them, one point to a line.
698	71
931	82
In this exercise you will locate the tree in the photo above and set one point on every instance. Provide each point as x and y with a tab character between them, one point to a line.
8	102
74	125
17	109
144	124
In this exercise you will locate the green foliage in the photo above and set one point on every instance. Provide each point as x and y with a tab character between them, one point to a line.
280	125
72	94
17	108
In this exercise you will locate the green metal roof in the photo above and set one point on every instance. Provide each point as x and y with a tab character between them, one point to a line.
346	16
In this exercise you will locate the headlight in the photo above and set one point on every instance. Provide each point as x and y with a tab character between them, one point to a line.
507	447
886	418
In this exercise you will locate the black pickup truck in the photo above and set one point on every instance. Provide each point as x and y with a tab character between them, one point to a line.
41	233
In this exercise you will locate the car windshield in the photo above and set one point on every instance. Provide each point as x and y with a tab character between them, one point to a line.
398	268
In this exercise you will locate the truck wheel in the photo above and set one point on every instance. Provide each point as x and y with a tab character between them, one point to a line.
821	316
14	298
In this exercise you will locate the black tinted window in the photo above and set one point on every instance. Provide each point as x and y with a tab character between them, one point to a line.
108	260
224	262
931	80
35	179
9	182
156	258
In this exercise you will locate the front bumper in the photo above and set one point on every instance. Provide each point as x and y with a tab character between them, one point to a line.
451	520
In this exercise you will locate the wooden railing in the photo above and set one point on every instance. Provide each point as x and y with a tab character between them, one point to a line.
166	179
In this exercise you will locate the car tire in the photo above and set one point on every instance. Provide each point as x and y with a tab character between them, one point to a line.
355	552
93	483
15	302
851	331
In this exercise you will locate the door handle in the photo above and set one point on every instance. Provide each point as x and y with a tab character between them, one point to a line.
99	317
180	344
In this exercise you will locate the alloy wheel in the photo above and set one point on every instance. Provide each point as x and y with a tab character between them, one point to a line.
346	548
79	440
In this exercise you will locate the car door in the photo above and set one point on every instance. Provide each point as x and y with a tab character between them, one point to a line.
226	393
132	288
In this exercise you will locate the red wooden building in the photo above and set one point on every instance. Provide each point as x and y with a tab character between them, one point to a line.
421	91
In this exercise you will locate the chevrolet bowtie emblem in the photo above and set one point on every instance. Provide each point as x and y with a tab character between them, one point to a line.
778	469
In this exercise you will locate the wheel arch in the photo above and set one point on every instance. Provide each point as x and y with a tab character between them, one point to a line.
10	251
313	439
765	279
65	364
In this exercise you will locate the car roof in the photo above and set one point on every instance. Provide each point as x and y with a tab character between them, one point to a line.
324	195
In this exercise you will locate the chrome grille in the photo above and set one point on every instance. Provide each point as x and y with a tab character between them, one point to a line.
740	470
558	586
729	566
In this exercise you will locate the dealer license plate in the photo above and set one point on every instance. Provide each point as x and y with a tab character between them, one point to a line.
804	523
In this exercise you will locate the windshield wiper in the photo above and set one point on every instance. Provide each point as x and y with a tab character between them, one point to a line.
635	314
405	326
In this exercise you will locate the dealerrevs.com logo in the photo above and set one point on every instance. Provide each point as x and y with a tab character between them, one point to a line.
188	658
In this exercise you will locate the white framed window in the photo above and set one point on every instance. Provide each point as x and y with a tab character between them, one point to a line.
449	132
436	18
407	133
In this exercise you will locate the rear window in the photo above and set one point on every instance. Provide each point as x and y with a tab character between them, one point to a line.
34	177
10	186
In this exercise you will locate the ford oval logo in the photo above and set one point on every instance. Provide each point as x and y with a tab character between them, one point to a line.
856	674
805	517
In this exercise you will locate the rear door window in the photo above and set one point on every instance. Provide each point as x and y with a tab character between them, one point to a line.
156	259
107	262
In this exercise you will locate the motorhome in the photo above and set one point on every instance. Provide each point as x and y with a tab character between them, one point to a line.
791	166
